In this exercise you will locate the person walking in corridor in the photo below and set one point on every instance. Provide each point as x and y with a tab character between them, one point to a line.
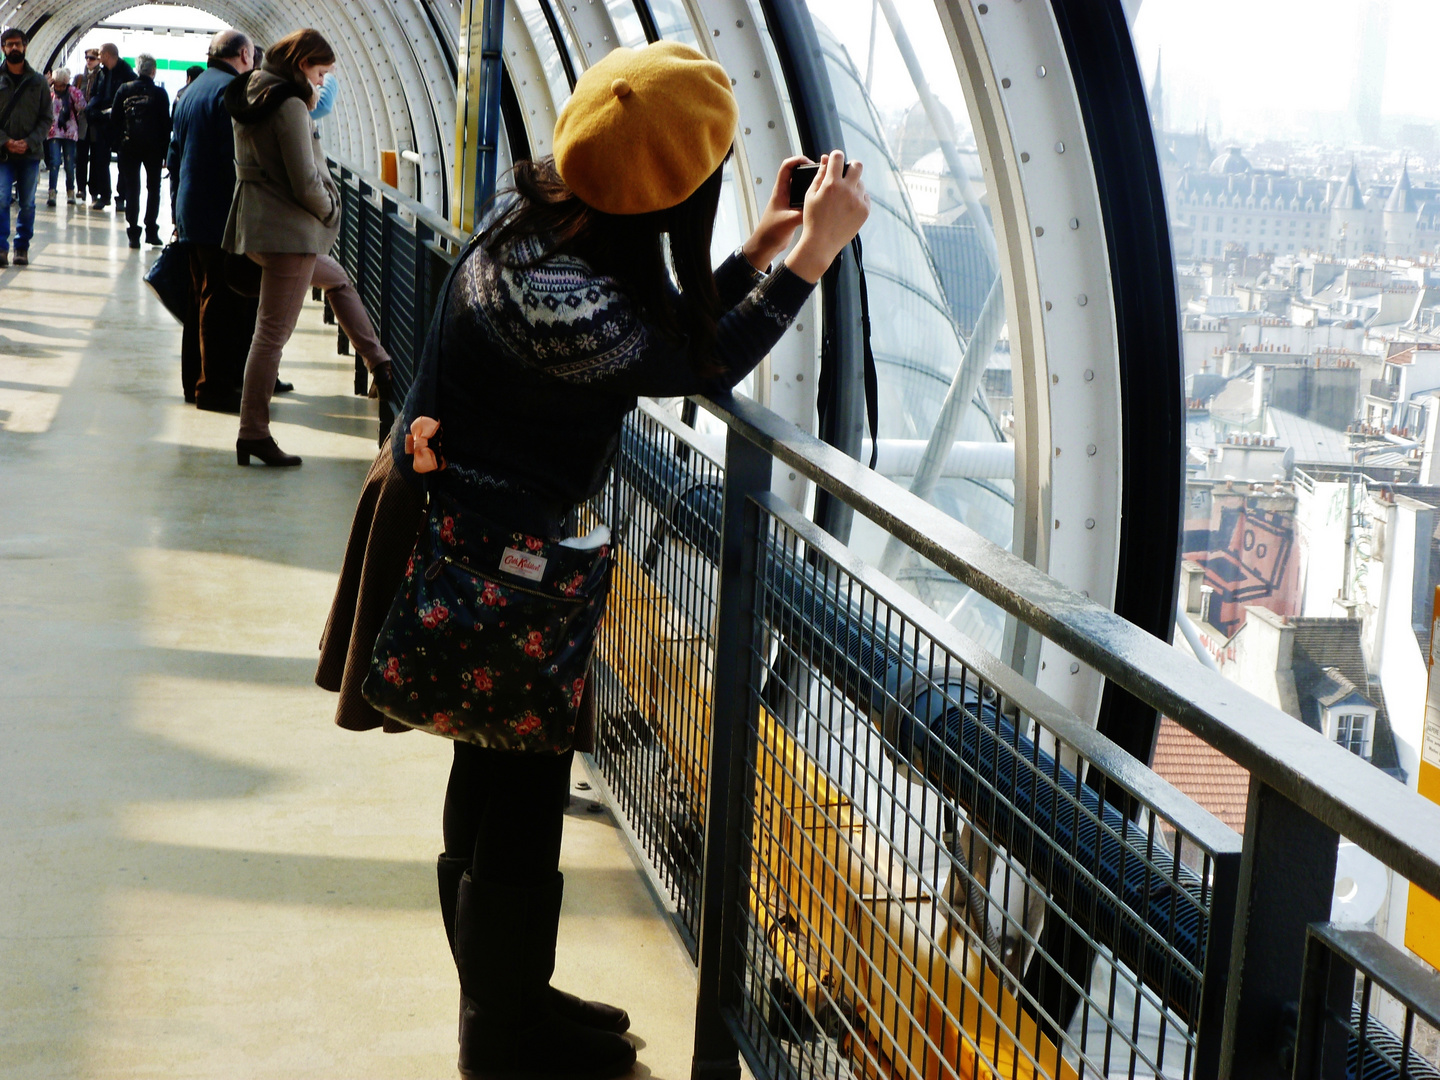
141	111
25	118
114	73
221	322
557	317
69	107
285	216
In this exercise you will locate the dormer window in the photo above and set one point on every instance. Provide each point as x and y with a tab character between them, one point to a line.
1352	731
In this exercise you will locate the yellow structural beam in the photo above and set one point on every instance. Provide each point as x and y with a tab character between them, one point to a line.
469	100
1422	913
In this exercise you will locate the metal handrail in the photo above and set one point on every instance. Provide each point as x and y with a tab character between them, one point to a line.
1396	825
440	226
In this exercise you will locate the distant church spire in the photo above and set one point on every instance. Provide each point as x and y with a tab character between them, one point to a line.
1157	97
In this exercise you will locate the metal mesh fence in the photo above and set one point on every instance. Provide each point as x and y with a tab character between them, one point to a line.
656	651
1367	1010
944	882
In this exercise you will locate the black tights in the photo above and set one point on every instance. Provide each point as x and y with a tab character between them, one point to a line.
505	812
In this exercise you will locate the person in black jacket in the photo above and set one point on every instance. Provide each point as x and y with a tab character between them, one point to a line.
114	73
202	174
141	113
558	317
85	145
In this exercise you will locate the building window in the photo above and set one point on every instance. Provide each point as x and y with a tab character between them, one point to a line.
1204	247
1350	732
1205	224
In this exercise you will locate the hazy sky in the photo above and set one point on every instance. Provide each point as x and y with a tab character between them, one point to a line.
1281	58
891	87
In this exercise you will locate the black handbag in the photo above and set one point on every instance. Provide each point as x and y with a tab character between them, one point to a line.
169	279
490	637
242	275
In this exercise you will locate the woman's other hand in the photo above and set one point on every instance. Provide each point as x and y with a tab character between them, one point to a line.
778	222
835	207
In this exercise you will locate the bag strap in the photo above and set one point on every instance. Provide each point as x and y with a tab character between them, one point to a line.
872	379
15	98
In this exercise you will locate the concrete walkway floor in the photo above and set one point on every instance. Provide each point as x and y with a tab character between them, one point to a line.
200	875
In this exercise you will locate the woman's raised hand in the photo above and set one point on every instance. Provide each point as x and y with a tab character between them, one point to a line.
778	222
835	207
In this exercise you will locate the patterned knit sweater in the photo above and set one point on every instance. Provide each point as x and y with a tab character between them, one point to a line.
539	366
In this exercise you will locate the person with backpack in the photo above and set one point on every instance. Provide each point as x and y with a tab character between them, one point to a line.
114	73
143	113
69	107
25	118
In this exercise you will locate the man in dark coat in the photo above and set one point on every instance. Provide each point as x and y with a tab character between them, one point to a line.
86	81
25	118
141	111
114	73
202	170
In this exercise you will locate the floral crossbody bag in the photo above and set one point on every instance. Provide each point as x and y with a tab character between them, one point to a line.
490	636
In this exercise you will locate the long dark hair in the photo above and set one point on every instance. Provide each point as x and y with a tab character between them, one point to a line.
307	46
628	247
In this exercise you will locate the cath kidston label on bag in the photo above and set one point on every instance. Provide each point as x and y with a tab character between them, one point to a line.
514	561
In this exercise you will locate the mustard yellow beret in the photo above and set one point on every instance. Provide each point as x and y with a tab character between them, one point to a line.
645	127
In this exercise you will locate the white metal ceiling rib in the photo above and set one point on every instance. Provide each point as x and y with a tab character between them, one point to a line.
384	45
1060	306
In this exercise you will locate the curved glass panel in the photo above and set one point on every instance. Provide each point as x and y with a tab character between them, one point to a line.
627	23
547	49
673	22
903	115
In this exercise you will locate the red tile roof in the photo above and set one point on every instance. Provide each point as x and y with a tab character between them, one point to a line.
1203	773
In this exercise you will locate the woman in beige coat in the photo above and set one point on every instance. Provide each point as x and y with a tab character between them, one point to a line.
285	216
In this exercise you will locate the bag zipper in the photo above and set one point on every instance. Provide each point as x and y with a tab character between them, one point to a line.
434	571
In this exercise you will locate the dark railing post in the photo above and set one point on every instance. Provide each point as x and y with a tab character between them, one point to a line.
724	886
384	318
1322	1034
1214	989
1287	881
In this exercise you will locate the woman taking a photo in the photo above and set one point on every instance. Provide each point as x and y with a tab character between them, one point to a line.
285	217
557	317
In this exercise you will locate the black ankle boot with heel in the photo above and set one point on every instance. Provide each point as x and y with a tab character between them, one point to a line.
513	1024
264	449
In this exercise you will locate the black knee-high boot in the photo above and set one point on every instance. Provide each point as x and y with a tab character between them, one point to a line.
596	1014
510	1028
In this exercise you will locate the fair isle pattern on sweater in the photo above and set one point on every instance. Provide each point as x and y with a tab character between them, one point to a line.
559	316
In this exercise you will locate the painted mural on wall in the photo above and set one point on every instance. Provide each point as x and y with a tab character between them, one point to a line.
1247	543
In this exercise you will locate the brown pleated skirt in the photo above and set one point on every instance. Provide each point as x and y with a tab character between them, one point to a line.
386	526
